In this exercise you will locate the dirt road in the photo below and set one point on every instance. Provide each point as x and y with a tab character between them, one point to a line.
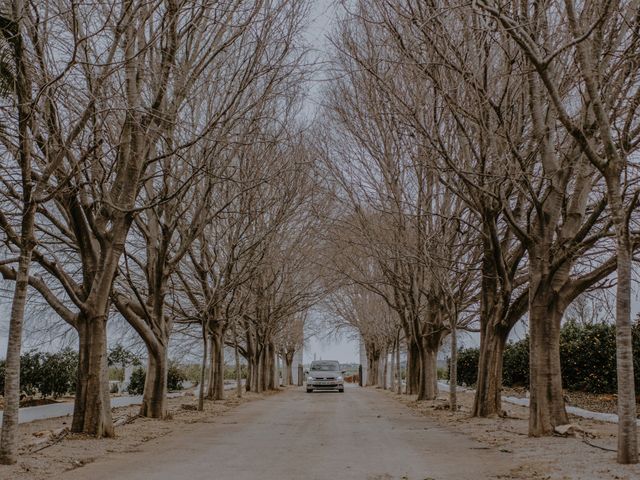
361	434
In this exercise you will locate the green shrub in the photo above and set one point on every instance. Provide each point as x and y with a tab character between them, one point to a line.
58	373
468	366
175	377
47	374
587	359
230	371
515	364
136	383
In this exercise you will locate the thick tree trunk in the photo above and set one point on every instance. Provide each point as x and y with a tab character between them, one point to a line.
92	407
254	375
428	388
154	398
373	360
265	369
288	360
258	377
546	408
270	368
413	372
215	390
488	400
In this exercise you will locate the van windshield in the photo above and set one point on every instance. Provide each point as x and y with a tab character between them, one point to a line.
325	367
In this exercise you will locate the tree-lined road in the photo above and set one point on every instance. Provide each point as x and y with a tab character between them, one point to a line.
361	434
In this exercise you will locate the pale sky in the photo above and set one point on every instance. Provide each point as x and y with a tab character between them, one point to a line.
342	349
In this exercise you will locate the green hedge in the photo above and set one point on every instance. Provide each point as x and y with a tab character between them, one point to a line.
175	378
587	357
47	374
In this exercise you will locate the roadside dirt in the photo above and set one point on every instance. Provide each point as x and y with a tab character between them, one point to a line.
48	449
604	402
589	455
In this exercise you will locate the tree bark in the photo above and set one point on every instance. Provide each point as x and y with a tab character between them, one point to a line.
546	407
373	360
154	398
237	360
203	370
288	361
392	367
215	389
8	436
488	400
428	389
627	425
8	442
412	373
453	370
92	408
398	370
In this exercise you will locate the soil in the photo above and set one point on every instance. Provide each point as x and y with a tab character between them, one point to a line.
48	449
588	454
604	403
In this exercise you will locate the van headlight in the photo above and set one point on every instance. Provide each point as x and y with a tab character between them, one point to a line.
309	379
339	378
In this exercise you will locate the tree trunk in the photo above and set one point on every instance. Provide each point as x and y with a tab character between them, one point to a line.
384	369
215	390
288	366
413	373
92	407
487	400
203	369
428	389
546	407
154	398
398	370
373	359
8	443
627	425
270	368
237	360
453	370
8	437
276	370
392	367
251	383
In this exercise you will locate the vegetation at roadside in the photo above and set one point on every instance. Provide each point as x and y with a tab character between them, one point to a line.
46	374
587	357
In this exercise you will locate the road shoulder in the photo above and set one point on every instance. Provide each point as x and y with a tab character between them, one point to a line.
48	449
553	458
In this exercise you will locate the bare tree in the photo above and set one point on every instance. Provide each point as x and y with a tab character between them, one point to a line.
594	39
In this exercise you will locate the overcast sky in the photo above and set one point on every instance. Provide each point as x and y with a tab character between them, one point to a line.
342	349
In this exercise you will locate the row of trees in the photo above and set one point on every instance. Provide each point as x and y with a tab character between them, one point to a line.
484	155
154	167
